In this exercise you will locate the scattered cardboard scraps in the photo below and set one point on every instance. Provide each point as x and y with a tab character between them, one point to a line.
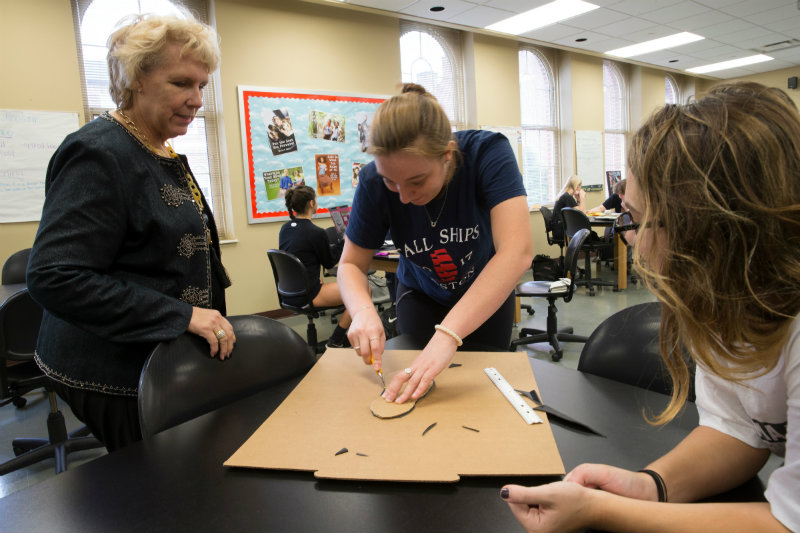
380	408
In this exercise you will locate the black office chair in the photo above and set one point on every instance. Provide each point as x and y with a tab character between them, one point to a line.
553	334
575	220
625	348
291	282
180	381
15	266
547	217
20	318
333	238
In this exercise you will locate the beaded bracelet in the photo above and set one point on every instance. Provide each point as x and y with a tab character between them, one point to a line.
450	332
661	487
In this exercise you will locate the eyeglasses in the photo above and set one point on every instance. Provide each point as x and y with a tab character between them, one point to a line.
623	224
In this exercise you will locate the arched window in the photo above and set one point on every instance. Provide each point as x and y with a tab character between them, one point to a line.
539	126
431	57
671	93
615	106
96	19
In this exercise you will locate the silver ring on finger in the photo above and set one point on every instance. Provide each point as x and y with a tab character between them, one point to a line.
408	371
356	347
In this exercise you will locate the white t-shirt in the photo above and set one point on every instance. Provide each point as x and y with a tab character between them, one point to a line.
764	412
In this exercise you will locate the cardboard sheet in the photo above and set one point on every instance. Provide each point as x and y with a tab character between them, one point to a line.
329	411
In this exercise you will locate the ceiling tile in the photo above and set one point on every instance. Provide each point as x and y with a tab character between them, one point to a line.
764	18
725	28
597	18
388	5
745	9
422	8
696	24
517	6
480	16
637	7
553	32
675	12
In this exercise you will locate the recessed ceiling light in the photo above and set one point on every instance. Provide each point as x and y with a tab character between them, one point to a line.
673	60
436	9
662	43
580	40
733	63
542	16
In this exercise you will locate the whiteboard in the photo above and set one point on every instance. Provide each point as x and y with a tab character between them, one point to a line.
589	157
28	140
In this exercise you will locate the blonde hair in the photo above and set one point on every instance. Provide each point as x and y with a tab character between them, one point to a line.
137	47
720	202
571	185
411	122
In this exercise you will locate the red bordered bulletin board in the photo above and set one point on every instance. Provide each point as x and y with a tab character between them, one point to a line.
291	137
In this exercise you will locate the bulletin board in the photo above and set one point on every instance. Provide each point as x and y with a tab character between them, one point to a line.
292	137
28	140
589	158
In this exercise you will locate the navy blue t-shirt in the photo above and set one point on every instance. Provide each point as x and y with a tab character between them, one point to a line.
441	261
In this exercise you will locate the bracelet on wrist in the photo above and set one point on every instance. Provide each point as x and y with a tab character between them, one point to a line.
450	332
661	487
366	306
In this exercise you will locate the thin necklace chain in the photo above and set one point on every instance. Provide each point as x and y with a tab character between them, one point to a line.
129	122
441	209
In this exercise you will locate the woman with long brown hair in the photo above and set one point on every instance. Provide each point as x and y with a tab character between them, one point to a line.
714	188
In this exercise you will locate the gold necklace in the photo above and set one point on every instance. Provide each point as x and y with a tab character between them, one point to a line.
441	209
139	133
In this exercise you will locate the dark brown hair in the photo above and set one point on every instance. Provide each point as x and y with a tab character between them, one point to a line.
298	198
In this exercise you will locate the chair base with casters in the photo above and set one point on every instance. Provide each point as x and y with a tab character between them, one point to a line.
543	289
57	445
588	281
553	334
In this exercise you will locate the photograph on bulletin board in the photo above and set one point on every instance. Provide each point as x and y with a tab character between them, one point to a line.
292	137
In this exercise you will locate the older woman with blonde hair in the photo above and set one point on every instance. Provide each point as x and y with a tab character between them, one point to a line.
127	253
714	194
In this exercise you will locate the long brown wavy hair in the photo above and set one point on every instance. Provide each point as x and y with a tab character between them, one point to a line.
719	183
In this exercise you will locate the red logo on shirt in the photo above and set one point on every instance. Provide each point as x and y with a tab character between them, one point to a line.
444	266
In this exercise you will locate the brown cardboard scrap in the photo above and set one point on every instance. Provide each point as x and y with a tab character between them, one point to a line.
329	410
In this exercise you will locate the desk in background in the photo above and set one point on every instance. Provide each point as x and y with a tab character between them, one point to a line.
176	482
620	250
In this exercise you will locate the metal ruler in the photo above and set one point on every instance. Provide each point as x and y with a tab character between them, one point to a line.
522	407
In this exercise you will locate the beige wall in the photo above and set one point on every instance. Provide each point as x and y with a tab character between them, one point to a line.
322	48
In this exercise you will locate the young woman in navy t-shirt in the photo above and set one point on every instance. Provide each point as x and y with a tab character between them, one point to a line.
458	213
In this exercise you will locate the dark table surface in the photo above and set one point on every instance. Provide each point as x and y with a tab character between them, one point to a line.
176	482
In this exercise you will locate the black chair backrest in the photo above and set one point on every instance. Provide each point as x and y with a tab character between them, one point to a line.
15	266
625	347
571	260
574	220
290	277
547	217
180	381
20	318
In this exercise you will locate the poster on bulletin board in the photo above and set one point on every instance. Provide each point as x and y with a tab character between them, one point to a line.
292	137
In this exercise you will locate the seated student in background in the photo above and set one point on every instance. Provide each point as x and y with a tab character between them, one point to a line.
714	189
615	202
304	239
572	195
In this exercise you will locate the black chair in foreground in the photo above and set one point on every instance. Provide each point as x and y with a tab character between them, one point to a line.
574	220
553	334
625	348
180	381
15	266
20	318
291	282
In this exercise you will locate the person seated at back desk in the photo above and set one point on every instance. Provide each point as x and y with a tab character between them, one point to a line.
302	238
572	195
615	202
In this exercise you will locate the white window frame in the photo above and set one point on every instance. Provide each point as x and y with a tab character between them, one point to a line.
615	134
531	130
206	164
451	44
669	81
